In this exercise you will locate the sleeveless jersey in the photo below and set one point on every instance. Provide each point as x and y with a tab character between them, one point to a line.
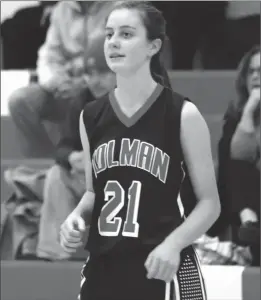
137	171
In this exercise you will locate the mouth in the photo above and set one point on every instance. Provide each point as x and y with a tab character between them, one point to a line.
255	85
116	55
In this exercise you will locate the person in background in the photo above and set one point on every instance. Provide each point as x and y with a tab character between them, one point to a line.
65	181
239	154
64	186
64	74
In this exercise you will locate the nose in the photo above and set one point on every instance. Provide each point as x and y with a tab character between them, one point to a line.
255	78
114	43
256	72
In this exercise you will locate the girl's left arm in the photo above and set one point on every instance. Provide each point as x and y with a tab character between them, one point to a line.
196	146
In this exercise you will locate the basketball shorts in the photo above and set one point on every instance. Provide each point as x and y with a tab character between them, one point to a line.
124	278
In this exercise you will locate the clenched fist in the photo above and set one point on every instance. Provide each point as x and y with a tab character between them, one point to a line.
72	232
163	262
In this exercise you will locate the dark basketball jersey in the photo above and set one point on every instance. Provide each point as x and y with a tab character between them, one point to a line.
137	171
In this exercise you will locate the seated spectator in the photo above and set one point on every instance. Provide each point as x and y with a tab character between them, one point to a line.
23	34
64	185
65	181
239	153
63	76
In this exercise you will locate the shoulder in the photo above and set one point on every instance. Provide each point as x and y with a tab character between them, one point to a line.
176	102
96	105
184	110
174	98
63	9
94	109
182	104
192	121
189	110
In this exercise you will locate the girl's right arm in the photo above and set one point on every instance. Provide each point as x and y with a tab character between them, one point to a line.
86	204
244	144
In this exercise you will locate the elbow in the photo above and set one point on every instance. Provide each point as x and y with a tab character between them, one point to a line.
90	191
90	194
237	154
216	210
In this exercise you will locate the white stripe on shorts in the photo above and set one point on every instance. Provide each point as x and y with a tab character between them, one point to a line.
167	291
176	288
83	278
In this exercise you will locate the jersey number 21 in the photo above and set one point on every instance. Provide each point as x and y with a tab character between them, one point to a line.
109	224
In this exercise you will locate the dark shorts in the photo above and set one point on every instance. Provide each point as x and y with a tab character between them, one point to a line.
124	278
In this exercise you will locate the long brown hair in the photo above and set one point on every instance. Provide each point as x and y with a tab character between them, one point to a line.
236	107
155	25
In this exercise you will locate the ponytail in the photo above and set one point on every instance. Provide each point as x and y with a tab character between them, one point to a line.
159	72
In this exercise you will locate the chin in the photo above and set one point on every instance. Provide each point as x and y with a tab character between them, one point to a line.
120	69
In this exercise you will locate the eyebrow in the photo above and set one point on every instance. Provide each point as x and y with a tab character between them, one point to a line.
123	26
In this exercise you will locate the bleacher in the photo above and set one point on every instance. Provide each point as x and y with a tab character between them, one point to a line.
23	280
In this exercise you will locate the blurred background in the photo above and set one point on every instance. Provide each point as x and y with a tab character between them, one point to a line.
49	52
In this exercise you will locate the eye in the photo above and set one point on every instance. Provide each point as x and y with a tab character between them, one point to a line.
253	70
127	35
108	35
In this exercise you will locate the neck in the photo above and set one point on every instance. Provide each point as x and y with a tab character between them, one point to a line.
134	89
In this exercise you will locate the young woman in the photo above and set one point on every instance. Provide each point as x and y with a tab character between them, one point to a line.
135	141
239	153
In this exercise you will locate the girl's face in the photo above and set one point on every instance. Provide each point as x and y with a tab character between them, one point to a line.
253	75
126	46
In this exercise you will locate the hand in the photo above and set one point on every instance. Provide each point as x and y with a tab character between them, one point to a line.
71	88
101	83
76	160
248	215
62	90
163	262
72	231
253	101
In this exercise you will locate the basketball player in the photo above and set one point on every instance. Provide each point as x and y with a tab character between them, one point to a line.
135	141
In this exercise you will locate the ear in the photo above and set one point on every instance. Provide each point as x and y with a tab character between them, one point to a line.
155	47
